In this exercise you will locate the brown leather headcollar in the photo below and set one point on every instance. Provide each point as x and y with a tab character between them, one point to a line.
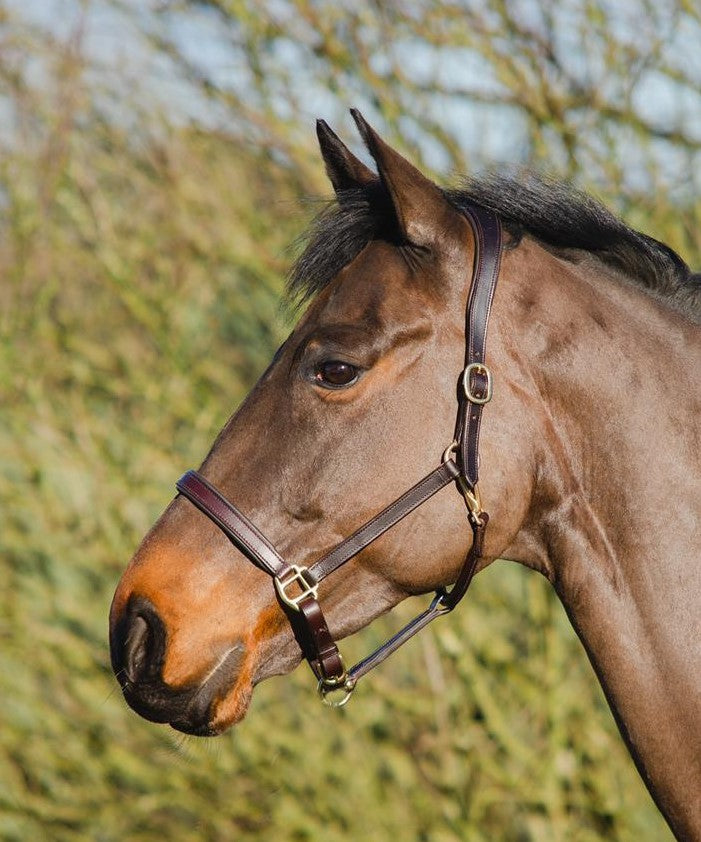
297	587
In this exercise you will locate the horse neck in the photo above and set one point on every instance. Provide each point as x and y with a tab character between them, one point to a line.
619	508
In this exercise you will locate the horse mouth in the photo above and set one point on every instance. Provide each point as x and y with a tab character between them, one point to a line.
222	683
195	710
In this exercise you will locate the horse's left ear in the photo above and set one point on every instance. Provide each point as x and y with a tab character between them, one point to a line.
344	170
422	210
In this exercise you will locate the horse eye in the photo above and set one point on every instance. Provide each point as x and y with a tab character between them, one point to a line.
336	373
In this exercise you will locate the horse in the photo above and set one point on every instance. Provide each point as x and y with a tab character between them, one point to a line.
587	441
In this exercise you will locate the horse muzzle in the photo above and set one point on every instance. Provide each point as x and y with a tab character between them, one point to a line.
138	646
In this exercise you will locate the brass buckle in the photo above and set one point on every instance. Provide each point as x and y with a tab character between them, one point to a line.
304	578
473	499
477	368
472	496
329	688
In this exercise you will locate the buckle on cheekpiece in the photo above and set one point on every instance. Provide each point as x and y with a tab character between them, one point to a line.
486	396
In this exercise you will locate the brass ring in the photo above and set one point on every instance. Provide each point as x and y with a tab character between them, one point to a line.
449	451
344	684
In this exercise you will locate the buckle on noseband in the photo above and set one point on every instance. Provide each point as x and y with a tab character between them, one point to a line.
304	579
477	368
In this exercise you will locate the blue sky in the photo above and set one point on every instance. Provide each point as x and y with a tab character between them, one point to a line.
115	40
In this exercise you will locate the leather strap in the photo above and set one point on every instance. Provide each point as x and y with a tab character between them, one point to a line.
386	519
469	568
236	526
443	603
487	232
316	641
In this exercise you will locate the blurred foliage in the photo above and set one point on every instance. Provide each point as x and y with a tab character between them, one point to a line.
604	88
141	265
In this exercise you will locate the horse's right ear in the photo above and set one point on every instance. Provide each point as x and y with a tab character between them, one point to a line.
424	215
344	170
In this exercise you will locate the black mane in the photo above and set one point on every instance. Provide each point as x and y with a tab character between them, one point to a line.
555	214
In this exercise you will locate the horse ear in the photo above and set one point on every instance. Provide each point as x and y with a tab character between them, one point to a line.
344	170
420	205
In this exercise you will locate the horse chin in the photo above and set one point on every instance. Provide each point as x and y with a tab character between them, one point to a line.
231	709
281	658
213	717
233	706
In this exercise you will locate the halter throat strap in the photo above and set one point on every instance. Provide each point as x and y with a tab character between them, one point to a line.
297	587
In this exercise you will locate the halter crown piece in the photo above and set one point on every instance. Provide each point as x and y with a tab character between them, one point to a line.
297	587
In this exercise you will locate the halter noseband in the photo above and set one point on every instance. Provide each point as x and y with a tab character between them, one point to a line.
297	586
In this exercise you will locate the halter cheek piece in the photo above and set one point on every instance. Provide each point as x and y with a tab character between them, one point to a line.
297	587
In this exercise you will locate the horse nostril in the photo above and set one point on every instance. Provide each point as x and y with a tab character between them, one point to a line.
136	648
138	643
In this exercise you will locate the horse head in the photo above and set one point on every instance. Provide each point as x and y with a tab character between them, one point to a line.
357	405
